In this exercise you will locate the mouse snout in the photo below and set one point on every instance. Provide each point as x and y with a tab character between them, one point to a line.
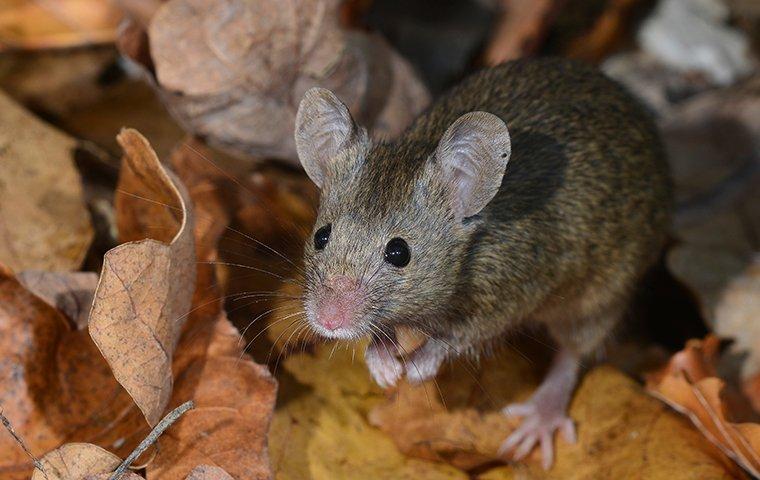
339	304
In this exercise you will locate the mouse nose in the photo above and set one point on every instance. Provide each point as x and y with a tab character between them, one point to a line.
341	300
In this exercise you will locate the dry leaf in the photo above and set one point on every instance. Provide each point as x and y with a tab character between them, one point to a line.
608	33
233	396
520	28
276	209
146	286
44	224
689	385
234	399
71	293
56	385
208	472
320	429
238	74
623	433
26	320
75	461
41	24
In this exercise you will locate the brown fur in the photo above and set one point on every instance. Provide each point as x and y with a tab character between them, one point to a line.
581	213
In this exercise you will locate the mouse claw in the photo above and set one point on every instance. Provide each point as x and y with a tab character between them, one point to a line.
384	367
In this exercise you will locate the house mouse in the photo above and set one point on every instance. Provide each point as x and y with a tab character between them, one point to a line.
533	193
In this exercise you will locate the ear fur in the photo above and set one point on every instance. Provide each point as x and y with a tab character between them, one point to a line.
324	128
473	155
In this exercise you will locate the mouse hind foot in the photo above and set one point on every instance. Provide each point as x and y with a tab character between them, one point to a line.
545	412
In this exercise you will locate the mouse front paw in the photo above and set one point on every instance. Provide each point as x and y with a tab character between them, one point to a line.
537	428
384	367
423	364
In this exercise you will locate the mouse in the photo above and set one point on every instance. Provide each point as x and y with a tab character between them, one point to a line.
535	193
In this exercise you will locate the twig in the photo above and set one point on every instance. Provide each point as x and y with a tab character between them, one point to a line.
165	423
9	427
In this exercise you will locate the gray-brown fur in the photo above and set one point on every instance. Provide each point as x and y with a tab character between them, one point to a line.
581	213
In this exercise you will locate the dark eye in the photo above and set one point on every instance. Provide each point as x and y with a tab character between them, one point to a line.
397	253
322	236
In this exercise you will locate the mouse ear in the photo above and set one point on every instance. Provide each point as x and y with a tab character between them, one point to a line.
473	154
324	128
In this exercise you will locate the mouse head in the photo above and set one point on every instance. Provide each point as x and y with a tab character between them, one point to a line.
395	220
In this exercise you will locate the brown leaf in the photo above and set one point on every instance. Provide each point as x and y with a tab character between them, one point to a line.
44	224
689	385
609	31
56	82
241	68
520	29
75	461
146	286
698	360
56	385
28	24
208	472
26	320
234	399
71	293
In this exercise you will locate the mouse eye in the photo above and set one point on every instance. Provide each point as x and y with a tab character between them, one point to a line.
322	236
397	253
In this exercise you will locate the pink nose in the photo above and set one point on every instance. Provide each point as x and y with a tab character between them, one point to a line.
340	301
334	314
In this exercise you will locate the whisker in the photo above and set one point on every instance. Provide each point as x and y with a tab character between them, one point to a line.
248	345
202	217
275	309
260	270
285	330
244	187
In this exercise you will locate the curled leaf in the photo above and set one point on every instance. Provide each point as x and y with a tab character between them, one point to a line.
146	286
689	385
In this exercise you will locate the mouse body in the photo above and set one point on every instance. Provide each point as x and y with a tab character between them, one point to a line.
534	193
